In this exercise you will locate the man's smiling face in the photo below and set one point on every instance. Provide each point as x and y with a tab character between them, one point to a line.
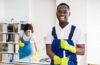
62	13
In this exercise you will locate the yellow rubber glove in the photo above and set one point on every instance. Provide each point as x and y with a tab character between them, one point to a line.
21	44
57	60
35	56
64	61
64	44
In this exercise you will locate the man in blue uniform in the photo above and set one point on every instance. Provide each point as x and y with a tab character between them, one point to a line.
64	41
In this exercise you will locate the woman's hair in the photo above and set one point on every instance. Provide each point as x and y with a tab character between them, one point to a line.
28	27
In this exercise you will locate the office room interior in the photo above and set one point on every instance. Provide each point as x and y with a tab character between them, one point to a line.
42	15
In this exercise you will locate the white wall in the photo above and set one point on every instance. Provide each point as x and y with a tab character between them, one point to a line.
17	9
93	32
1	10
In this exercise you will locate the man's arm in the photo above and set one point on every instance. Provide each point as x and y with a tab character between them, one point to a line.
80	49
57	60
49	51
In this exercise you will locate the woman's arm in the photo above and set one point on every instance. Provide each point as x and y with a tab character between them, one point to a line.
37	46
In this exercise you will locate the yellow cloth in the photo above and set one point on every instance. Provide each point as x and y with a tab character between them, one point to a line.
57	60
21	44
64	44
35	56
64	61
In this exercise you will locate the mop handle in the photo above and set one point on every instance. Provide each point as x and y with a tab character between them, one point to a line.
64	54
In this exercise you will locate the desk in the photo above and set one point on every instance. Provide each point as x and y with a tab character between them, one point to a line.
31	63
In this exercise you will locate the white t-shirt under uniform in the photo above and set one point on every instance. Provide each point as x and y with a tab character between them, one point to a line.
63	33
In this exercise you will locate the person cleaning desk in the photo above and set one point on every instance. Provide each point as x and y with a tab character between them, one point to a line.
26	43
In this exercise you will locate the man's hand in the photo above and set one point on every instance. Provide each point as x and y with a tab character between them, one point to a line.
57	60
64	44
64	61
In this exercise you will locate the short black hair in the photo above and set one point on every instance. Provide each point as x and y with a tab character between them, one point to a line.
63	4
28	27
